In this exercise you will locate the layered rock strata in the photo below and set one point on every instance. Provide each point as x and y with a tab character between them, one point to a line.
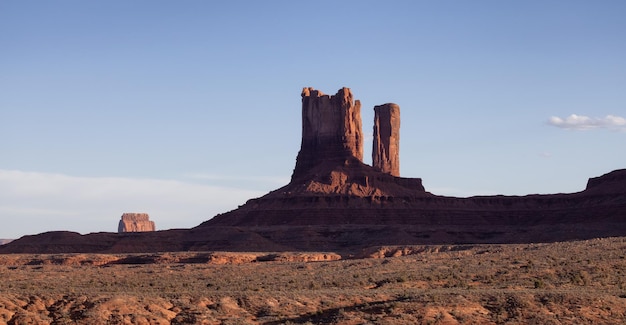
386	147
135	222
604	201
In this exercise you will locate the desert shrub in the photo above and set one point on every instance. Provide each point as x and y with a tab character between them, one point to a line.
539	284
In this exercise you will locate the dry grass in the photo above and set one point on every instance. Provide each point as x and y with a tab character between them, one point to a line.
560	283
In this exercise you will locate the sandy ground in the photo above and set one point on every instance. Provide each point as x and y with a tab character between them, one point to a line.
559	283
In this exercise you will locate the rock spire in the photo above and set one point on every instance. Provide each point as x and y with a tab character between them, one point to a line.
386	147
331	129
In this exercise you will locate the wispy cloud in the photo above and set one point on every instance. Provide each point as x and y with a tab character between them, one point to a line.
33	202
545	154
581	122
273	180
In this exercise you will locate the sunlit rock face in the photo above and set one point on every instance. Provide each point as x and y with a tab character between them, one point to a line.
331	129
135	222
386	147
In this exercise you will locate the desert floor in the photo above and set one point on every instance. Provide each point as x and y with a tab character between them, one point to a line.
581	282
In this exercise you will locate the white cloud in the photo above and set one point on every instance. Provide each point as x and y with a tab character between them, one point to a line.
581	122
545	154
34	202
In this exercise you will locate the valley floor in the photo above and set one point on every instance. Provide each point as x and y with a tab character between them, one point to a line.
558	283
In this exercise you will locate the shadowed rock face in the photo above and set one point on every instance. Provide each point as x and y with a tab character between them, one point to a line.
135	222
609	184
386	148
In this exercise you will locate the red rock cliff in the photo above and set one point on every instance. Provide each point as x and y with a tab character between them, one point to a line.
331	129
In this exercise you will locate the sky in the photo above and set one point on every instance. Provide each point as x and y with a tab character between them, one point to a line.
186	109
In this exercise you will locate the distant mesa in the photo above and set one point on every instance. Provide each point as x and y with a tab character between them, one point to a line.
135	222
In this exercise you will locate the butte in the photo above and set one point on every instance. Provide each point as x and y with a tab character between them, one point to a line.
336	202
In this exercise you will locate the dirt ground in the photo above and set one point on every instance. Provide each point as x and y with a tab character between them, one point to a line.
581	282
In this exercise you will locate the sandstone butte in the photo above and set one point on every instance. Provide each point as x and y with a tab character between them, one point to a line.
135	222
336	202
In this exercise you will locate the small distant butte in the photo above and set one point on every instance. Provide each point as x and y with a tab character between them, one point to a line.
135	222
336	202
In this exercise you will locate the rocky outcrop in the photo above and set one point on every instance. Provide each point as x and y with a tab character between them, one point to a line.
386	148
135	222
331	130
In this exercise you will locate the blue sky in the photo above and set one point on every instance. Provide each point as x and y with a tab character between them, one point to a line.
186	109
